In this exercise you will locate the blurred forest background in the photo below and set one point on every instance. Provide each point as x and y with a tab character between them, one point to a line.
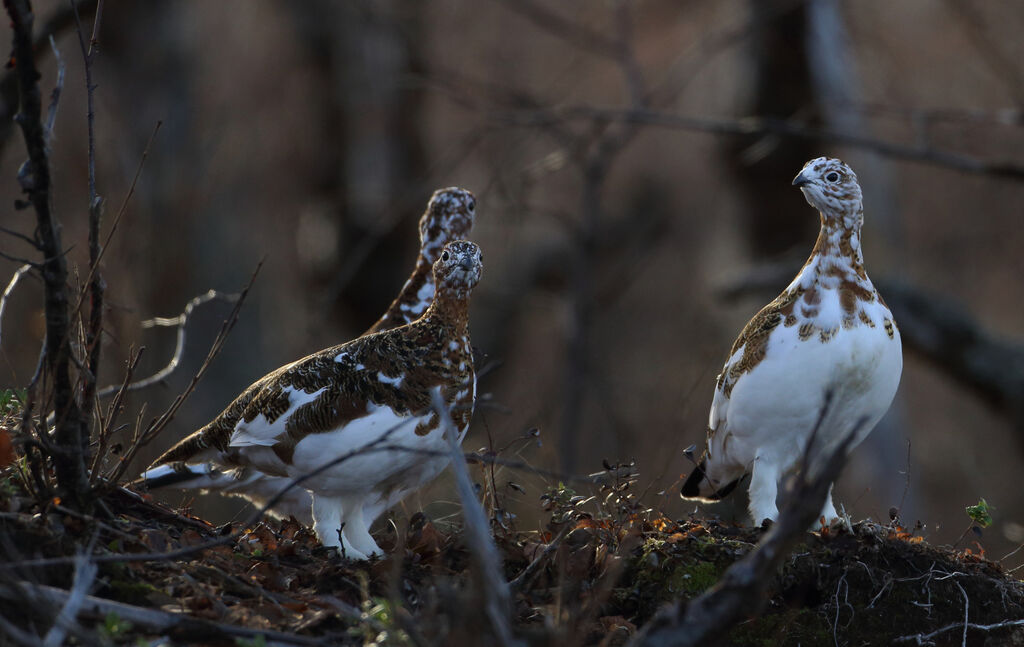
632	163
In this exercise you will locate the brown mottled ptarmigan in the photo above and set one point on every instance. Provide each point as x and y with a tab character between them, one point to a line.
376	389
828	335
449	216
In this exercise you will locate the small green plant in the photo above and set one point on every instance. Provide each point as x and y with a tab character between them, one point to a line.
377	625
981	513
561	502
114	627
12	400
258	641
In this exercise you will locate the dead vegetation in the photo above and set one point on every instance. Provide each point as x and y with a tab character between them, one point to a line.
587	579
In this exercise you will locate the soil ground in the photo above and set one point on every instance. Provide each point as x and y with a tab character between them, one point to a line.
599	581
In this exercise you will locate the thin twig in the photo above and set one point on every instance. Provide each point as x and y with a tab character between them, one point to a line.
180	321
526	576
20	272
96	284
113	410
926	639
58	87
761	126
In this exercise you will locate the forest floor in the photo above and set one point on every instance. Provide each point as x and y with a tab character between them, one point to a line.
587	580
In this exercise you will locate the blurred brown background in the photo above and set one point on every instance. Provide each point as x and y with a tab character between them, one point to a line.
629	227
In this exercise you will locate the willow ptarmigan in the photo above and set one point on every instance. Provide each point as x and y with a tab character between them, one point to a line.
345	398
828	332
449	216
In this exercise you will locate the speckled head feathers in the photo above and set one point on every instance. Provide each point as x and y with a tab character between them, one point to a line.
449	216
830	186
458	267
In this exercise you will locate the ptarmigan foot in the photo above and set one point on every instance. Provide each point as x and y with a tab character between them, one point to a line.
356	531
828	511
327	515
763	489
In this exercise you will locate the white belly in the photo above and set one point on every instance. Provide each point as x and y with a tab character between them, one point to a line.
384	453
774	408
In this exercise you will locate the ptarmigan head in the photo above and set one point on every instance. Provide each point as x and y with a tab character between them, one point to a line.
458	267
449	216
830	186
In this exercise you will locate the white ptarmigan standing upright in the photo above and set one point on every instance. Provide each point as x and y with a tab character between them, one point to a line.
374	389
829	332
449	216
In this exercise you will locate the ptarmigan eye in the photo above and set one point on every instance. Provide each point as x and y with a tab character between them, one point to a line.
832	177
445	256
471	204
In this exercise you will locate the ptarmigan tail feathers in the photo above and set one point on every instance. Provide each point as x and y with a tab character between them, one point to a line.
203	476
698	487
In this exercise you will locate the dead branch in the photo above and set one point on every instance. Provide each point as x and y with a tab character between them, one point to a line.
62	19
106	423
526	576
20	272
179	322
569	31
179	627
58	87
740	592
478	533
96	284
71	431
927	639
518	116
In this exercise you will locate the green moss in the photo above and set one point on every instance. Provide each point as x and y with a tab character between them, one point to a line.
694	578
125	591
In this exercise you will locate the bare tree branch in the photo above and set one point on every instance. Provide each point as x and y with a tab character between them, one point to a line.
20	272
71	432
96	284
763	126
927	639
51	113
180	322
62	19
569	31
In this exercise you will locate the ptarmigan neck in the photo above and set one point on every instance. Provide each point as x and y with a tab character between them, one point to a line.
450	308
837	252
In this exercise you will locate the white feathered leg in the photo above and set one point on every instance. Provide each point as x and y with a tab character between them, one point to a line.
356	531
828	510
764	486
327	515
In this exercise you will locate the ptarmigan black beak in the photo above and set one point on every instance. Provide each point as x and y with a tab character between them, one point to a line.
800	180
466	263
